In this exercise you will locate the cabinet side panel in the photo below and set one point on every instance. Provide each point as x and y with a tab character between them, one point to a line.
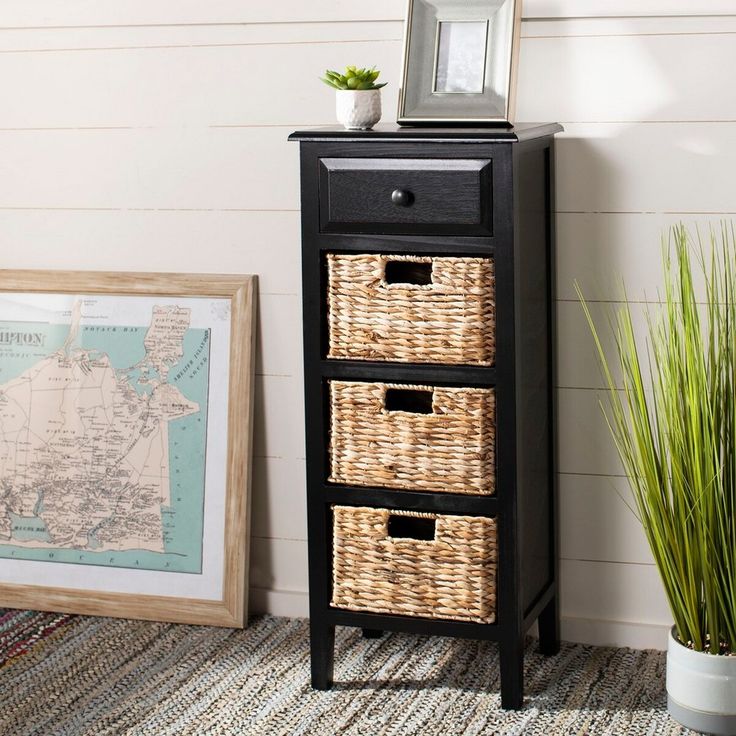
534	370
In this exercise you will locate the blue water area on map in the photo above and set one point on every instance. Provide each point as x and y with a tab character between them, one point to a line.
38	507
187	448
26	528
183	519
141	380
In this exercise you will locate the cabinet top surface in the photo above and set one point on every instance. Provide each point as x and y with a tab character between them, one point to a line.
520	132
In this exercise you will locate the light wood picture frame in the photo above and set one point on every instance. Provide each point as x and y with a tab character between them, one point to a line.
126	405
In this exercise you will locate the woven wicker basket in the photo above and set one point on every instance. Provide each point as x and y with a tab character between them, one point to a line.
452	576
451	449
450	320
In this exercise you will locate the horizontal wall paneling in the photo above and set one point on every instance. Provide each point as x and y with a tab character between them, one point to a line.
48	13
278	499
151	135
190	241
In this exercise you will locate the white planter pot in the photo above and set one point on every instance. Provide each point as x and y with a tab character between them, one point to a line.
358	109
701	689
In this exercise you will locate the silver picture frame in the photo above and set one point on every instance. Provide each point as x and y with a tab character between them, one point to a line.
460	62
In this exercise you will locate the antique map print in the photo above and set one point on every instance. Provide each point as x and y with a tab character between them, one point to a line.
103	438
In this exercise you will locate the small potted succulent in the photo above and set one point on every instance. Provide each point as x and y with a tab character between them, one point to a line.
358	99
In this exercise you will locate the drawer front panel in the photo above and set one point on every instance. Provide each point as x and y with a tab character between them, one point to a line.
419	438
414	563
411	309
409	196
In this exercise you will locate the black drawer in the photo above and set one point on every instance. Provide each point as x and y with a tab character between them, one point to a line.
406	196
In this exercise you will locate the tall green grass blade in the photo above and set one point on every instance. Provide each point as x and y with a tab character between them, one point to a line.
677	438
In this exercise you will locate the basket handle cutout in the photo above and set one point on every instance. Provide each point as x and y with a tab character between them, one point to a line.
408	272
415	401
411	527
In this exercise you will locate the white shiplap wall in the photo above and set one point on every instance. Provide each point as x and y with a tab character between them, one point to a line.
151	135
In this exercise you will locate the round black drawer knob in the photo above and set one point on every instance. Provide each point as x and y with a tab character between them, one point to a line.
402	198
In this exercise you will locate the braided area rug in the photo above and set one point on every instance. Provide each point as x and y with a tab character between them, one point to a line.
82	676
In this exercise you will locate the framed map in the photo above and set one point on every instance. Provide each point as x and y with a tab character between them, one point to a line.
125	435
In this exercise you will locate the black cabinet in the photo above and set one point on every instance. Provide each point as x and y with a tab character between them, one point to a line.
428	301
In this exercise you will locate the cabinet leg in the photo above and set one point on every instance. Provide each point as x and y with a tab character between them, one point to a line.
372	633
322	643
549	628
512	673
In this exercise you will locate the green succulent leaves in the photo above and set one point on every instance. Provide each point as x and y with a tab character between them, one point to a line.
353	79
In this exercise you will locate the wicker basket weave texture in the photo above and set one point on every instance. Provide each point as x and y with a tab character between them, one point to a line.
450	577
452	320
451	450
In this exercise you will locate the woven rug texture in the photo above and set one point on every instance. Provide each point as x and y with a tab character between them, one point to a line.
82	676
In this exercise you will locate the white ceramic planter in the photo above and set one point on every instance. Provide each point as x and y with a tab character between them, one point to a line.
701	689
358	109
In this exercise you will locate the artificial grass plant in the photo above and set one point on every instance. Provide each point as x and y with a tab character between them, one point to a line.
677	437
